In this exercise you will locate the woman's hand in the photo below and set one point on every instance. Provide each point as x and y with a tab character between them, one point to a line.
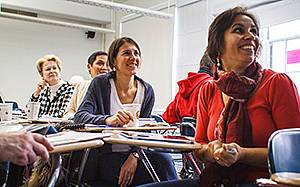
127	171
122	117
228	154
207	152
39	87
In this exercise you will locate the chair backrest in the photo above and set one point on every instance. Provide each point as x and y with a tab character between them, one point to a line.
157	118
284	151
188	126
15	105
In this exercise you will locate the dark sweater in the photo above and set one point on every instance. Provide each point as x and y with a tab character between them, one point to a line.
95	107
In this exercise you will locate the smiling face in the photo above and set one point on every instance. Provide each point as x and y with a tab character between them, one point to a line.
241	43
128	60
51	73
99	66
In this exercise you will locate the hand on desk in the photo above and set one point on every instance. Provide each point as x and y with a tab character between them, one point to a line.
127	171
122	117
23	148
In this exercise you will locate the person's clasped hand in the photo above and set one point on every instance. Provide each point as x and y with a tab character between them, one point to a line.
228	154
218	152
208	154
23	148
122	117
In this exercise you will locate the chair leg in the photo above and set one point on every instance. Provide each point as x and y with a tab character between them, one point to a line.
82	165
148	165
55	170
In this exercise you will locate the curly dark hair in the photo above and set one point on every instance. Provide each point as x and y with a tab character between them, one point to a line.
221	23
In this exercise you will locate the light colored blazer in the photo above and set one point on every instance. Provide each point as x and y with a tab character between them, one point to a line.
77	97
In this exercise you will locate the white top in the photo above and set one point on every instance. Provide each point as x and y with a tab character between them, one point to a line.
116	105
54	88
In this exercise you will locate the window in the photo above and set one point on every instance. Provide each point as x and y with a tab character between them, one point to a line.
284	48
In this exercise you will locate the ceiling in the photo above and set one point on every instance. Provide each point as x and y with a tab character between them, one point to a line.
118	1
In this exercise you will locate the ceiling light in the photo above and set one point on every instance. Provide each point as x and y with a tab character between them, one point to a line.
124	8
54	22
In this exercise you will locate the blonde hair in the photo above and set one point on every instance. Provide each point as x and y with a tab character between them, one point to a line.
46	58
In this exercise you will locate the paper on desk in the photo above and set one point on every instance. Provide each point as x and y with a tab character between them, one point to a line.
154	125
68	137
10	128
46	119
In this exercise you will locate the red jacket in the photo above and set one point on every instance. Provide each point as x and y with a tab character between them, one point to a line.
274	105
185	101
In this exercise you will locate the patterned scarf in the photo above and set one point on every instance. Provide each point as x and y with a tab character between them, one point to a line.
234	124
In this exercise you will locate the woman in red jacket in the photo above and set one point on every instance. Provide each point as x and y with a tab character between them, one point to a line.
241	107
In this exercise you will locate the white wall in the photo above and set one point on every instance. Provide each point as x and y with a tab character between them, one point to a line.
194	17
155	37
191	36
22	43
60	8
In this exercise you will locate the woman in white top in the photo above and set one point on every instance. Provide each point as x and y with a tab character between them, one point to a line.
119	165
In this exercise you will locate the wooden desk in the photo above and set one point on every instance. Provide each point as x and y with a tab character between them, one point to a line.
46	120
22	125
154	144
166	146
288	178
146	128
77	146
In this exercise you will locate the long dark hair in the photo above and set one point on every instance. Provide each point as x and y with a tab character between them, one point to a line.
221	23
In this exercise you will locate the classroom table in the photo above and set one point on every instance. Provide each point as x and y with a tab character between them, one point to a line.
151	127
77	146
155	144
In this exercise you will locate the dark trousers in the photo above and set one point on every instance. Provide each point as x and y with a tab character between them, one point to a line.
189	183
104	171
175	183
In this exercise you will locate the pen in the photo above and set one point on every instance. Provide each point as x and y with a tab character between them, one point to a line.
53	135
231	150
